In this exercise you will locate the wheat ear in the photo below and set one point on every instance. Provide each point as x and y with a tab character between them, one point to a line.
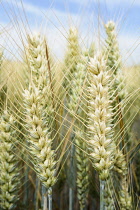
82	164
112	48
101	144
70	62
9	171
81	146
120	166
39	141
119	94
114	62
71	59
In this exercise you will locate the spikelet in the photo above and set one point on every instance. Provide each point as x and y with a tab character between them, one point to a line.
9	171
39	141
82	169
100	117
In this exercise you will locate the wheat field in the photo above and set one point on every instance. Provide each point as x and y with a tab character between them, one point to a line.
69	105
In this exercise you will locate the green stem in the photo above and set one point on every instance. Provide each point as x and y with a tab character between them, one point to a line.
102	186
26	185
50	198
44	198
36	193
70	199
72	172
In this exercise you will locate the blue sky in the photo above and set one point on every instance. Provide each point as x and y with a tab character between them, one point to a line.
54	17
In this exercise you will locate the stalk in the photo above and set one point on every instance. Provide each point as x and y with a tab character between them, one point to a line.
70	199
50	198
44	198
102	188
26	188
37	189
26	194
71	175
71	193
45	202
